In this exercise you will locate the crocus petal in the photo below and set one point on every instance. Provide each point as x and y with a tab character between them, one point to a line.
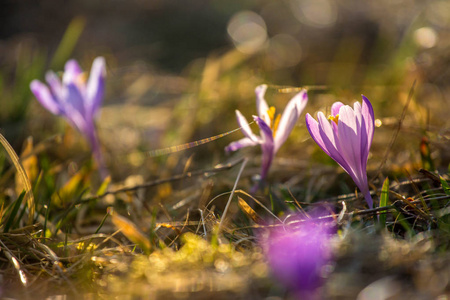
261	104
369	121
335	111
42	93
245	127
349	142
95	86
56	87
335	108
245	142
329	138
72	71
289	117
267	146
349	145
361	133
74	109
313	127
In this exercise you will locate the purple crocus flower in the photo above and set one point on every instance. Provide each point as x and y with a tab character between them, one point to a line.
274	129
75	99
347	139
298	256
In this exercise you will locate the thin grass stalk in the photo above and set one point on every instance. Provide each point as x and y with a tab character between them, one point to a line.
244	163
23	175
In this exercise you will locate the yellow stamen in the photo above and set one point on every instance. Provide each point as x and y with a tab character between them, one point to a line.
271	113
275	125
334	118
274	119
82	78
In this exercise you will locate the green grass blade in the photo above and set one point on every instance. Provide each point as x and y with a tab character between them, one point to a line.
68	43
445	185
14	211
23	176
101	223
384	198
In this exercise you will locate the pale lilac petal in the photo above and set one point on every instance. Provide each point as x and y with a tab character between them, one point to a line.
245	142
361	133
72	72
334	112
267	146
75	98
348	143
313	127
54	82
45	97
96	86
349	146
289	118
369	121
329	138
335	108
261	104
74	109
245	127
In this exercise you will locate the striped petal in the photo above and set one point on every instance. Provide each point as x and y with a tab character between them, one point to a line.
261	104
245	127
55	85
95	86
329	138
289	118
369	122
349	142
45	97
335	108
72	71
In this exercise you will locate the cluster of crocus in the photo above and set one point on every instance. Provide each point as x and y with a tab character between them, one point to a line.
346	136
75	99
298	256
274	129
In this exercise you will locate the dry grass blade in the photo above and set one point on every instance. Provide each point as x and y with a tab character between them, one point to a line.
15	262
250	212
131	232
259	203
23	175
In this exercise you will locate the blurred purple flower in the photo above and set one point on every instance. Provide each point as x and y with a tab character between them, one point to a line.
274	129
347	139
75	99
298	256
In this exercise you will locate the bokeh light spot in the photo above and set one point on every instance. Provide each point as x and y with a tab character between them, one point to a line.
248	31
425	37
284	51
315	13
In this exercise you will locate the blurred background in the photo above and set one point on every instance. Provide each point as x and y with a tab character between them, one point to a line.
178	70
176	73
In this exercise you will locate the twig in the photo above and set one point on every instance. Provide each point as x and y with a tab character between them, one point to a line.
217	169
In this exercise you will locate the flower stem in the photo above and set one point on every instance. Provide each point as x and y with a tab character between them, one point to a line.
368	198
97	154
